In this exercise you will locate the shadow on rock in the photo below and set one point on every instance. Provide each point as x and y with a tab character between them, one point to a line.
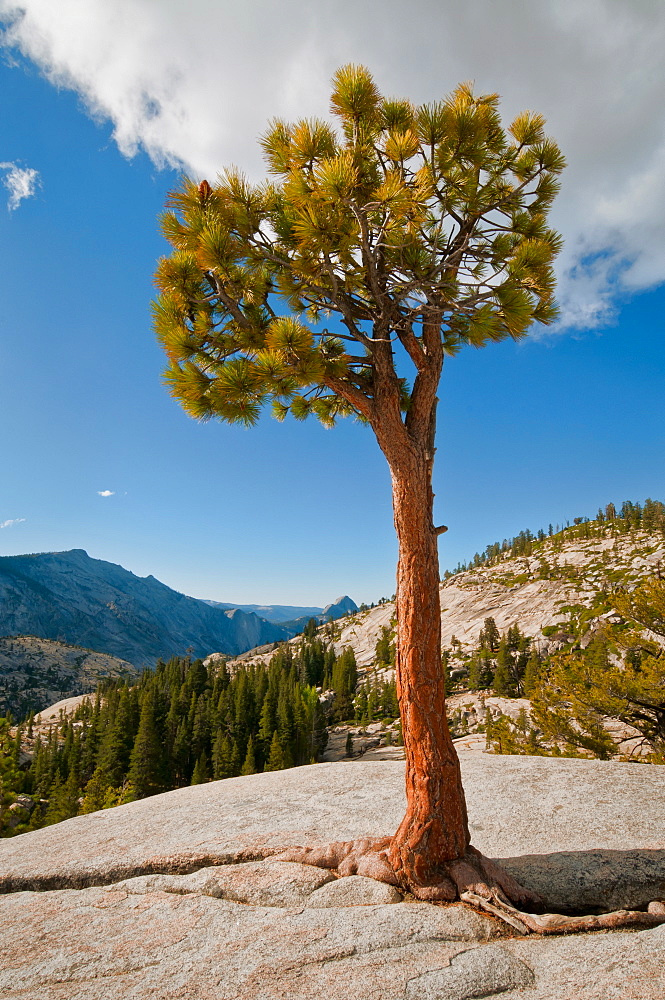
596	881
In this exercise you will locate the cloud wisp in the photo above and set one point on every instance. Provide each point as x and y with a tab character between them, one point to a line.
11	522
595	70
21	183
105	493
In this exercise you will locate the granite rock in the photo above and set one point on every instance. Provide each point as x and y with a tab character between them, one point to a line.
619	965
106	942
277	883
527	810
478	972
355	890
178	896
592	881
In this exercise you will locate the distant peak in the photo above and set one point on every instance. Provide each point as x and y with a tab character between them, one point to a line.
340	607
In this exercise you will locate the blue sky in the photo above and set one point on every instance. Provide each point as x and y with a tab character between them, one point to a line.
292	513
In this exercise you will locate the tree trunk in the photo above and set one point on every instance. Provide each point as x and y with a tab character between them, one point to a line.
435	828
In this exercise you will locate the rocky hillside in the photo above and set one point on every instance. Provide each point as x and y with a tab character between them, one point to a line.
36	672
562	575
69	597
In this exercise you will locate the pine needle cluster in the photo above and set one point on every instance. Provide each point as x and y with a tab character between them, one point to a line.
393	224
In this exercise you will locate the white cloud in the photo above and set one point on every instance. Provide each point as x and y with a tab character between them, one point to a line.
21	182
194	84
106	493
11	522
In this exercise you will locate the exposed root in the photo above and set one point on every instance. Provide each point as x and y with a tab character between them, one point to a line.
473	879
367	856
557	923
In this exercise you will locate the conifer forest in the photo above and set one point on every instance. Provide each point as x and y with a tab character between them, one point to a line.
186	723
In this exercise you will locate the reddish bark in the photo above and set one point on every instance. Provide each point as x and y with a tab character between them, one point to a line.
435	828
430	854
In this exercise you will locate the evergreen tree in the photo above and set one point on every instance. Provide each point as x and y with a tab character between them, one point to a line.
63	800
577	691
201	773
145	770
360	705
234	759
118	736
249	764
503	681
384	653
275	760
10	778
489	635
319	729
95	792
531	674
310	628
422	230
344	680
348	748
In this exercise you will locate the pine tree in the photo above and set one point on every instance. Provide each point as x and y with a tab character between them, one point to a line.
275	760
384	653
95	792
118	737
360	705
249	764
145	770
221	757
422	230
234	759
10	778
344	679
63	800
489	636
319	729
445	666
531	674
268	719
503	681
181	754
348	749
201	774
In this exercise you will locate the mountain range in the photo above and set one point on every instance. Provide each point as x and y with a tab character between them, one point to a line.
275	613
292	617
72	598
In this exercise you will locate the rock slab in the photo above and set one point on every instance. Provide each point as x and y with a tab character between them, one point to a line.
178	896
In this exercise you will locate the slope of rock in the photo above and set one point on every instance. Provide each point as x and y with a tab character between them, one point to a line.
178	895
533	591
72	598
36	672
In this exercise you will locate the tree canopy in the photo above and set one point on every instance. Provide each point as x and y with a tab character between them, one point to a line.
420	227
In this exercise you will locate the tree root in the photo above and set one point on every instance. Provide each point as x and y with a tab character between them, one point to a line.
473	879
558	923
367	856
